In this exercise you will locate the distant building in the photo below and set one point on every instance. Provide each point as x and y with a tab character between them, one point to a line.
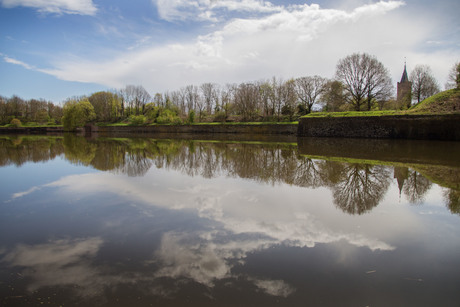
404	93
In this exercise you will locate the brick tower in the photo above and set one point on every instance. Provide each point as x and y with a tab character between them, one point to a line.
404	93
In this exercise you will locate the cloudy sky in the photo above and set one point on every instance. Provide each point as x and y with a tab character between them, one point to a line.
61	48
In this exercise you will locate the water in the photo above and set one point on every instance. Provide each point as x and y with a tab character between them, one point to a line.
183	222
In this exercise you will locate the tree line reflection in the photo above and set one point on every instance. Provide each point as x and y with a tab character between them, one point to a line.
356	187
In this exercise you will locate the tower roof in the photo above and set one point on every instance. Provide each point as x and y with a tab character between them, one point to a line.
404	77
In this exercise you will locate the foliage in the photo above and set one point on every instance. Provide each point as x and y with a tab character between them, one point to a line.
77	114
151	112
168	116
191	116
220	116
107	106
137	120
15	122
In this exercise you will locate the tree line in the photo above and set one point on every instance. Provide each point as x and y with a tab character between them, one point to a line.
361	82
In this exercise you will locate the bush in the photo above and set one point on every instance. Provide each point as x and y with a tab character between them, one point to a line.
191	117
137	120
168	116
220	116
15	123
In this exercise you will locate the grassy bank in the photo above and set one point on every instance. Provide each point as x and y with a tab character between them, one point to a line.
447	102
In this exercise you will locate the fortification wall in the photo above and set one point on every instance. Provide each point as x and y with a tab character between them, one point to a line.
262	129
425	127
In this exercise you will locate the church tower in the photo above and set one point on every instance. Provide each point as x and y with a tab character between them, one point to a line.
404	93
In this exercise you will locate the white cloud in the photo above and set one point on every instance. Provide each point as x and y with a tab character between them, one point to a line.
206	10
284	41
289	42
16	62
80	7
58	262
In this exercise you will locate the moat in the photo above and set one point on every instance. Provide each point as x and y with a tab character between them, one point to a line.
250	221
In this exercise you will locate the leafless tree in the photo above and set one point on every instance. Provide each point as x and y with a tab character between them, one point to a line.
424	84
364	79
453	79
246	100
136	97
309	89
191	97
210	96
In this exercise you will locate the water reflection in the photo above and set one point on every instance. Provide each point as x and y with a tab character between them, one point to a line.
152	228
357	186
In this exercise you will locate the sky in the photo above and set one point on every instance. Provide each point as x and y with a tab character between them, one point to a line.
56	49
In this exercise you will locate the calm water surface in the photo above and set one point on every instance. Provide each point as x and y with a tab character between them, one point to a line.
177	222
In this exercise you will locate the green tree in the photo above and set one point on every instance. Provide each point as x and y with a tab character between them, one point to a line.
77	114
107	106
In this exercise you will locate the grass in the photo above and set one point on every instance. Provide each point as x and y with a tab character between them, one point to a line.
355	113
247	123
31	125
447	102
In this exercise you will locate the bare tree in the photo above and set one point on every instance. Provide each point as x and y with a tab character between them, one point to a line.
227	95
309	89
453	79
266	96
136	97
191	97
364	79
210	96
424	84
246	100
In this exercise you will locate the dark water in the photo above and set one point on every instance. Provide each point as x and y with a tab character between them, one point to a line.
177	222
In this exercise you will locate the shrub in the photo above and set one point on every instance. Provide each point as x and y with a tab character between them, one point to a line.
168	116
15	122
137	120
220	116
191	117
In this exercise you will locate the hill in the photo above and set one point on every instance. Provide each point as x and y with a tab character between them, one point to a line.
447	102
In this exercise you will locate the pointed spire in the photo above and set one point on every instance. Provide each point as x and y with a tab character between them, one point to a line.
404	77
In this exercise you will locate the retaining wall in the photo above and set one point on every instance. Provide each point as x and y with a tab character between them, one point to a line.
440	127
263	129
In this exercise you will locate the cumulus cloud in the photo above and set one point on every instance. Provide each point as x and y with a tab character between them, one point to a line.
79	7
208	10
288	41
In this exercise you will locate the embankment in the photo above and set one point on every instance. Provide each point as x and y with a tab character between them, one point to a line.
259	129
31	130
422	127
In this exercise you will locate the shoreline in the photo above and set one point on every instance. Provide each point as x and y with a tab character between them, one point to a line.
417	127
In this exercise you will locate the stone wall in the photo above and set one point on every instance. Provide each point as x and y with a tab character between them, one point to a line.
262	129
439	127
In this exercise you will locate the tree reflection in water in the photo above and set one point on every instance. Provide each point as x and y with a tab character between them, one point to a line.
356	187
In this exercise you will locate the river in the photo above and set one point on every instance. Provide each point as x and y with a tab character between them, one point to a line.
228	221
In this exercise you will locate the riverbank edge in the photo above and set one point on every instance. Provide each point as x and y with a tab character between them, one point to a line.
422	127
418	127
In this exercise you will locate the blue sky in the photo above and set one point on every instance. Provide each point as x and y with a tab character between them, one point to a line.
63	48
